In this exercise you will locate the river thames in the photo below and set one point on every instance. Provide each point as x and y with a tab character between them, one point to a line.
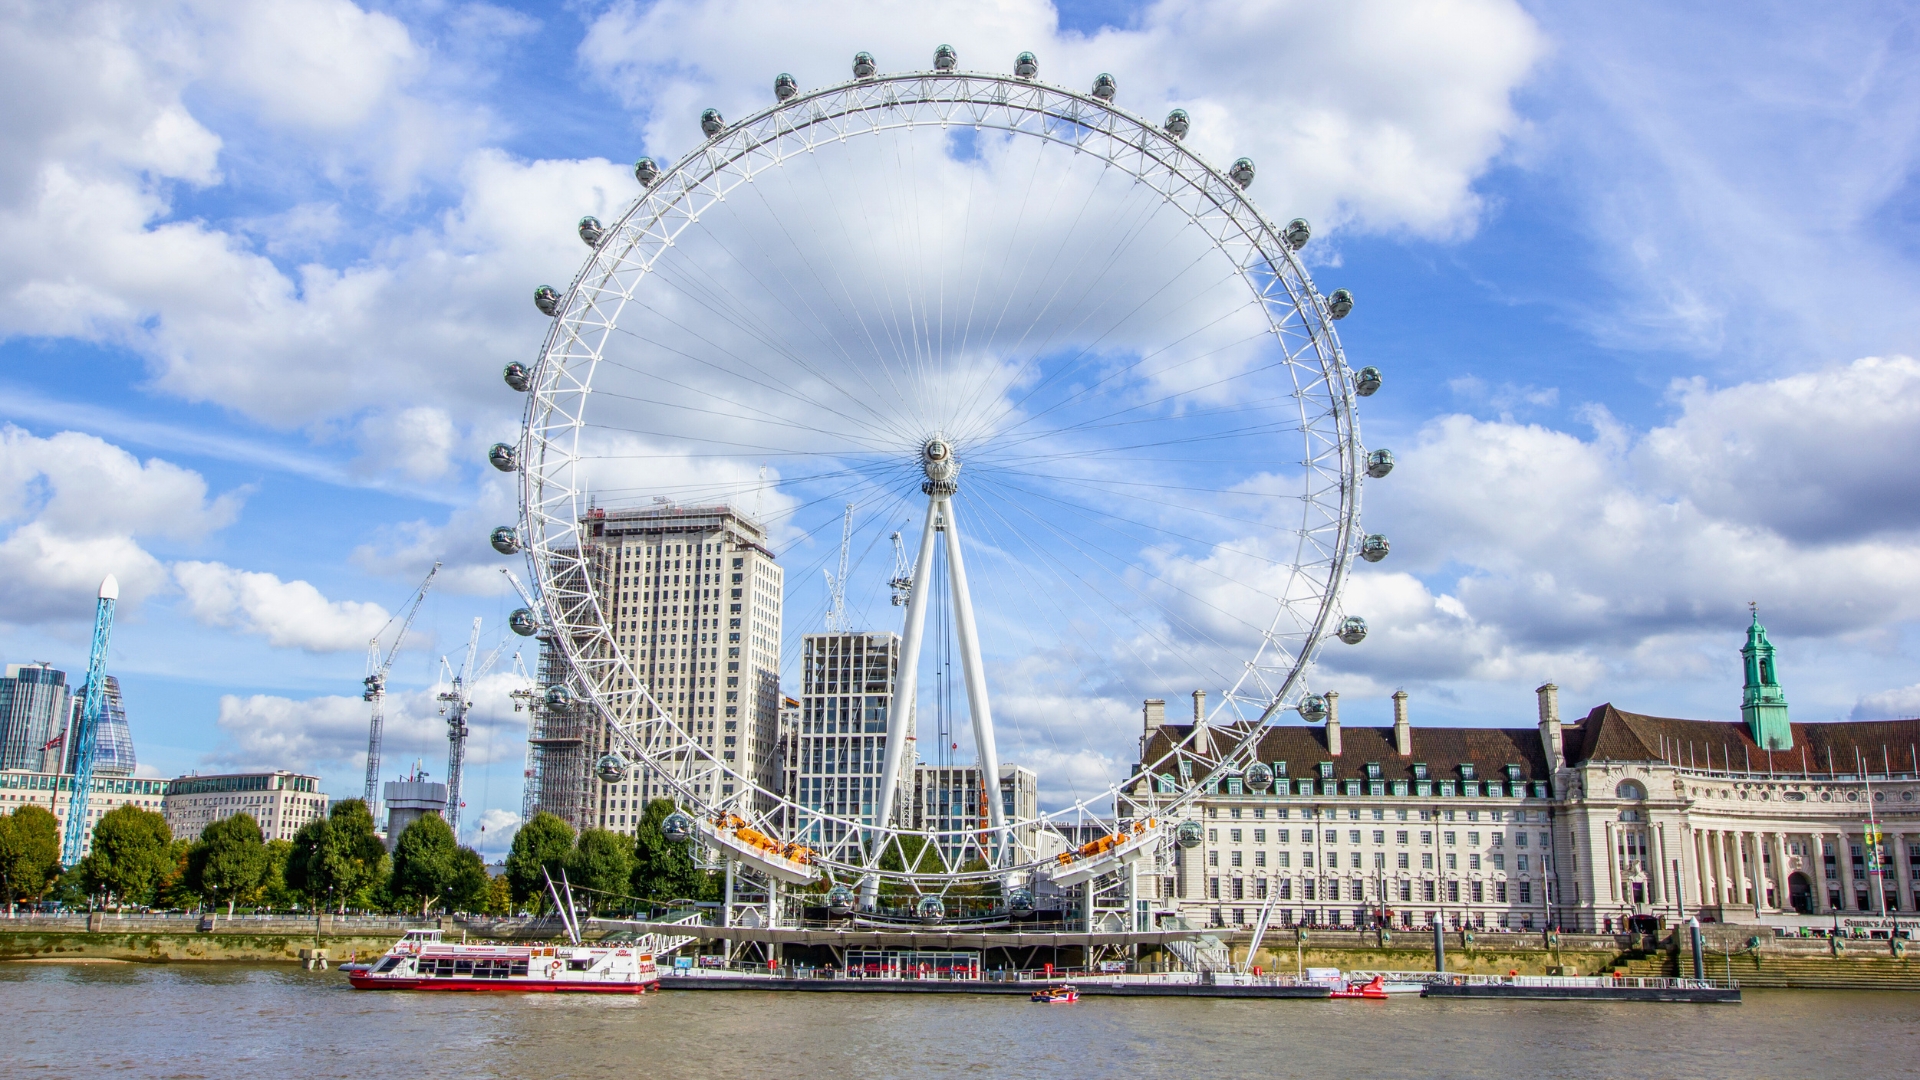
217	1021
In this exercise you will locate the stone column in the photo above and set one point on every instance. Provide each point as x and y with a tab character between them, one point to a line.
1721	879
1754	879
1783	893
1902	869
1703	888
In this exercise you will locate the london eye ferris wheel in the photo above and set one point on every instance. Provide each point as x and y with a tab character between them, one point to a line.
1093	387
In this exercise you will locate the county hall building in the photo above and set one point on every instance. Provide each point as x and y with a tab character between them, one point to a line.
1582	825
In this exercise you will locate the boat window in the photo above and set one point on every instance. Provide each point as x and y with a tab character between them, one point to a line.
519	967
580	965
388	964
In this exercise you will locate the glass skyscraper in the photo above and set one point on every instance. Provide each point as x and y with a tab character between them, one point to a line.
35	705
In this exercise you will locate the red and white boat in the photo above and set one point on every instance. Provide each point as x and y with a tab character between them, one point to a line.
1374	989
422	961
1057	994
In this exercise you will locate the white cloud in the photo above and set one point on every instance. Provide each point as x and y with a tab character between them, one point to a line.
1558	550
325	64
492	835
289	614
77	508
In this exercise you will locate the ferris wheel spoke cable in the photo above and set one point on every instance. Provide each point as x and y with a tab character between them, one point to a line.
1115	259
1162	504
1078	543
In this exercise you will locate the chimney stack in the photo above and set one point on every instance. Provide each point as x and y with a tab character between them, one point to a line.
1549	695
1199	706
1154	712
1402	728
1333	722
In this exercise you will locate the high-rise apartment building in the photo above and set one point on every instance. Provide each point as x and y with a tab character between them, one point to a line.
35	705
693	597
947	799
281	802
840	749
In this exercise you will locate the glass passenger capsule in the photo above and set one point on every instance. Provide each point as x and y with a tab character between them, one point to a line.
677	828
1104	87
504	457
1242	173
517	376
944	58
1353	630
546	300
504	540
930	909
711	123
1340	304
646	171
1259	776
1374	547
590	231
611	769
1379	463
863	65
1366	381
784	87
1020	903
1313	708
840	900
1298	233
1189	834
1178	123
523	622
559	696
1025	66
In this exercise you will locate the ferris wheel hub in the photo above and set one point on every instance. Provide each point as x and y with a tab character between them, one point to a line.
941	467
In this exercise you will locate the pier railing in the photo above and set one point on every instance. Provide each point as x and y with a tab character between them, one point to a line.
1450	978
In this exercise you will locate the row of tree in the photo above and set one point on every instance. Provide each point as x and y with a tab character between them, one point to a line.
339	863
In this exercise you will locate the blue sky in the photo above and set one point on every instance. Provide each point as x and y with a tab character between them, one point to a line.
1642	280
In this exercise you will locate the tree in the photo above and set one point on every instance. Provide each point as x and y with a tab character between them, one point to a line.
602	861
541	847
230	861
471	886
131	856
499	896
423	862
275	895
663	870
29	854
338	860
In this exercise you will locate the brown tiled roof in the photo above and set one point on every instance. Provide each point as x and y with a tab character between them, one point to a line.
1442	750
1610	734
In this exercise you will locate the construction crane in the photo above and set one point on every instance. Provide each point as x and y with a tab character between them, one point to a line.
837	583
902	582
454	703
376	688
91	708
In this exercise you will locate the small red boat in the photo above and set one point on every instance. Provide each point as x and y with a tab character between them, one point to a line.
1063	994
1375	990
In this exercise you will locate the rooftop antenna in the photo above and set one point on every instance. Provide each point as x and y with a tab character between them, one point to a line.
837	583
758	489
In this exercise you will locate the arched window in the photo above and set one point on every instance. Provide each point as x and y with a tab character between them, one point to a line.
1630	789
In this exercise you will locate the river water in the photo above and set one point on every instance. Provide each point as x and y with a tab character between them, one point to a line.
185	1021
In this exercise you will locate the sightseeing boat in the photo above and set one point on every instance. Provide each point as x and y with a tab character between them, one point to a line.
422	961
1374	989
1062	994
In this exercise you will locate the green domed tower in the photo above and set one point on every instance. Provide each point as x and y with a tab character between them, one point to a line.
1763	705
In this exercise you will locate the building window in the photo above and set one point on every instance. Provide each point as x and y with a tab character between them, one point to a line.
1500	896
1426	860
1526	892
1259	858
1213	858
1401	860
1236	858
